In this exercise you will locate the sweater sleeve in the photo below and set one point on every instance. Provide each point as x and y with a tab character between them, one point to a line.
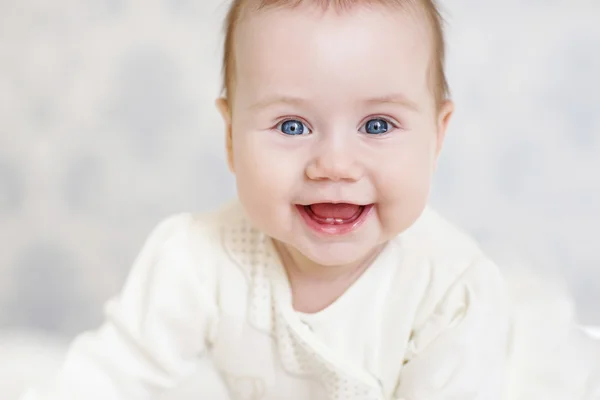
459	352
154	331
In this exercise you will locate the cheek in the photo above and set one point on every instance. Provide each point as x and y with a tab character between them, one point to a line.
256	191
268	158
251	169
403	199
404	169
265	177
403	186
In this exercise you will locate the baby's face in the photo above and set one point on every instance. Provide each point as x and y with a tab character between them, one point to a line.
334	107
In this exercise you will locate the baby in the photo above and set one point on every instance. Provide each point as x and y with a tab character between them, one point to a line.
331	278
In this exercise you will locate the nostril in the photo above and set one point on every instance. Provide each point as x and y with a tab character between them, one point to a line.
334	170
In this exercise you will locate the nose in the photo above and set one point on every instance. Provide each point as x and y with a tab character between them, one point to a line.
335	160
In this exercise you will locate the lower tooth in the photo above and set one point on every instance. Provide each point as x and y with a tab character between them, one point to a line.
334	221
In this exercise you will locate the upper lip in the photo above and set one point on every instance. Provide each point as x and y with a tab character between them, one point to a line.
334	202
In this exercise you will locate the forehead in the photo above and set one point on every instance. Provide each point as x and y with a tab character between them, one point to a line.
366	50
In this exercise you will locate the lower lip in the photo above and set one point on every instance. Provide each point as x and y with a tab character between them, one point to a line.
334	229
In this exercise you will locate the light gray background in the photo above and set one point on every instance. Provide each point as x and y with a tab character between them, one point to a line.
107	125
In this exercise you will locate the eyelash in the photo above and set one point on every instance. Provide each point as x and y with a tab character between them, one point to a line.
279	124
394	125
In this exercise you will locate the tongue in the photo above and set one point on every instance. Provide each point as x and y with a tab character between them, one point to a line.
339	211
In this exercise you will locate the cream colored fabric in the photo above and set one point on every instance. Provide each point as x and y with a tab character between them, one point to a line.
430	320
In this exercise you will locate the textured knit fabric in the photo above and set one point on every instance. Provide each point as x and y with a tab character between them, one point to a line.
430	319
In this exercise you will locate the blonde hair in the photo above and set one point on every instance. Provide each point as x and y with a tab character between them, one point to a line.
428	7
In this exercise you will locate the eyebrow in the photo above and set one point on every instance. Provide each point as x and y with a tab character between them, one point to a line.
268	102
395	98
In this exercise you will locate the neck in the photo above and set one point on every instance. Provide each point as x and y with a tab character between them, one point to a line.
315	286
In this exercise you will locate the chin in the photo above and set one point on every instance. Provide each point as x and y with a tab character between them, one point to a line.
333	255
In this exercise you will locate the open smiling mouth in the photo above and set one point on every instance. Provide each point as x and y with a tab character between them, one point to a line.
334	218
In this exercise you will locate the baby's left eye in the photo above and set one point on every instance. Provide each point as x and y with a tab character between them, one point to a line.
376	126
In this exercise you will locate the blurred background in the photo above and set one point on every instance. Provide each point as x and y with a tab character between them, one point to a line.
107	125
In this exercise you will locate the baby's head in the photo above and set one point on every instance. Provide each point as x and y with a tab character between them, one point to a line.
336	112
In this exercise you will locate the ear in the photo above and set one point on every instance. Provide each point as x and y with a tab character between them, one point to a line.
223	107
443	120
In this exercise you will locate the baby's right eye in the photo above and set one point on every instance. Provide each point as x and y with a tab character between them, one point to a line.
293	127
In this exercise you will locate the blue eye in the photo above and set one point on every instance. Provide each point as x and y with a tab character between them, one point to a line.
377	126
293	127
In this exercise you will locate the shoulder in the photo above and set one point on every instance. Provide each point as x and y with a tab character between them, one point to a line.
449	250
190	239
195	229
459	272
222	237
435	235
